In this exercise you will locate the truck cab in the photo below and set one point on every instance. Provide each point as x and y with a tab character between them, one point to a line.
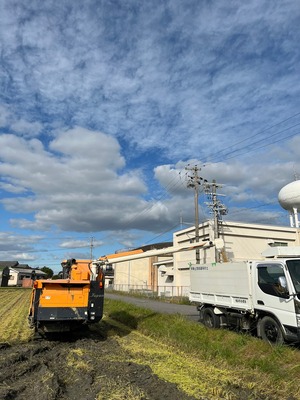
277	295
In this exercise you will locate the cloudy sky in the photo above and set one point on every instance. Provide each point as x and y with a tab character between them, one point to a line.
104	103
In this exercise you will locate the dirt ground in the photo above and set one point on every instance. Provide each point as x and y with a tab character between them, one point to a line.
86	367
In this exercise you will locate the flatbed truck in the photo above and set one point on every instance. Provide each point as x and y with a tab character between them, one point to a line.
261	296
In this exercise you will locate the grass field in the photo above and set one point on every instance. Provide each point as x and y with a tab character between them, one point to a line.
221	362
217	363
14	306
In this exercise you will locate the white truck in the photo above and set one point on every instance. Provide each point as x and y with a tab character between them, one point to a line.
261	296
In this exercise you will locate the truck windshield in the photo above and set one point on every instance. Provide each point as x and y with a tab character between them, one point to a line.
294	269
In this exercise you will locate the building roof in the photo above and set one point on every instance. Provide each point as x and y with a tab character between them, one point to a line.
155	246
4	264
28	271
247	225
22	266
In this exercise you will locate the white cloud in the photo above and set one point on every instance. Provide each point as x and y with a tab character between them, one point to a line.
80	243
22	257
76	183
98	99
81	145
11	188
4	115
26	128
18	247
9	117
160	75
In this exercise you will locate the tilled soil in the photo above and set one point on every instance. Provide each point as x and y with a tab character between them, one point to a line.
83	368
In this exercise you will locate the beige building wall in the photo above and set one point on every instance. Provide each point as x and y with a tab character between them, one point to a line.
131	273
137	274
242	242
170	273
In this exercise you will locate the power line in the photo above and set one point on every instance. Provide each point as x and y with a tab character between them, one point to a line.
222	155
260	147
254	207
212	155
163	233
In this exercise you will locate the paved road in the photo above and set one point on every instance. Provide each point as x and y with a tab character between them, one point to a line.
159	306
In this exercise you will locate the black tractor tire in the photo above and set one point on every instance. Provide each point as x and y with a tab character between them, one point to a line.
210	319
271	331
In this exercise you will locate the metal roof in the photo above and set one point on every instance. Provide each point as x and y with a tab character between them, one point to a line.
4	264
28	271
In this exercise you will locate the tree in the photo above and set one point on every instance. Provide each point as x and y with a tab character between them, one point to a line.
48	271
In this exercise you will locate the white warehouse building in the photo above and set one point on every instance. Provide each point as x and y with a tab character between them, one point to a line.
168	274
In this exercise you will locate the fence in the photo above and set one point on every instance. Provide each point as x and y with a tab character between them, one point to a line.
161	291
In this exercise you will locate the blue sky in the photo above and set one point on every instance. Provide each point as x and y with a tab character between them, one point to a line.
104	103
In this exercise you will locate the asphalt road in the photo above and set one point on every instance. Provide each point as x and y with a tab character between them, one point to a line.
159	306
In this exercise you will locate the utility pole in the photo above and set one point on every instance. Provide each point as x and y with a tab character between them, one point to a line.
195	182
218	209
91	246
215	209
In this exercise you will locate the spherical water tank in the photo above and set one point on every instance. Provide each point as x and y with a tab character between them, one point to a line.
289	196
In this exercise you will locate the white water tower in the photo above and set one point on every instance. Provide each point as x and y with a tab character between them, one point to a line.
289	199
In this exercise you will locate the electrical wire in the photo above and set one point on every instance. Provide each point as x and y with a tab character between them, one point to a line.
260	147
215	155
163	233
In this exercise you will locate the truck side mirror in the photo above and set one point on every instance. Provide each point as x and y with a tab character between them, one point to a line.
283	285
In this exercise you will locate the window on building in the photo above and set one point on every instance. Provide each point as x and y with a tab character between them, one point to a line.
278	244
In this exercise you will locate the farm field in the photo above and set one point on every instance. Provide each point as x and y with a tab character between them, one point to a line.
14	305
134	353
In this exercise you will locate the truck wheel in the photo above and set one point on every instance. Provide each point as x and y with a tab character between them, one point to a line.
271	331
210	319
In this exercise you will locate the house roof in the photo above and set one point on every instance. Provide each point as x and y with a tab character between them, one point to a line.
28	271
4	264
22	266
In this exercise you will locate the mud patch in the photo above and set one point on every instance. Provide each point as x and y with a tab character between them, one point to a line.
79	368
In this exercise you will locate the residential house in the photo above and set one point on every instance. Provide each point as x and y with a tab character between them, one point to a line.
4	271
13	273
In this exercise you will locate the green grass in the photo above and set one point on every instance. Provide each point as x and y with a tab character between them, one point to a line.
217	364
275	368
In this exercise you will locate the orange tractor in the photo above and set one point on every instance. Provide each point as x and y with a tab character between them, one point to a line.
75	299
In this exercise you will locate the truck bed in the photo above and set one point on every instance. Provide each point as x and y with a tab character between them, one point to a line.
222	284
